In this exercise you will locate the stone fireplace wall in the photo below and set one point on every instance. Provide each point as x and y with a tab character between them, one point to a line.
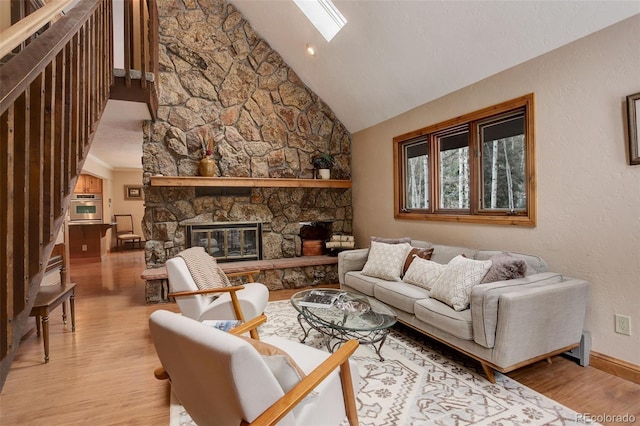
223	88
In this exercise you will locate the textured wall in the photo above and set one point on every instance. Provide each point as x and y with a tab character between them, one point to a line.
222	87
588	195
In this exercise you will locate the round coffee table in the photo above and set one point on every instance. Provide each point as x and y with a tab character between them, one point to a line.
342	315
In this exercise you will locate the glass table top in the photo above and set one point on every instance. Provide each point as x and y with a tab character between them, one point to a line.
343	309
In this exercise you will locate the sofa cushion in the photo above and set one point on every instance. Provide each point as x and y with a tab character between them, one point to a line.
416	252
444	254
399	295
453	286
360	282
423	273
484	303
439	315
386	260
505	267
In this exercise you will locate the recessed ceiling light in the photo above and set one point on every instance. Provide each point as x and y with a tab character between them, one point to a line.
324	15
311	50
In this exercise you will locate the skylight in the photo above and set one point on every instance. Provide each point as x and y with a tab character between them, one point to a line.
324	15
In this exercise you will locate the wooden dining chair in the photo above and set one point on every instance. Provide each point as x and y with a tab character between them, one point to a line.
124	231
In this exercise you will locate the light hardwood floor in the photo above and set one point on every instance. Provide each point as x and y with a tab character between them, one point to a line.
103	373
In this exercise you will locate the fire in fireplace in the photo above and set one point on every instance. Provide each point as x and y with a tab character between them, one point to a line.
227	241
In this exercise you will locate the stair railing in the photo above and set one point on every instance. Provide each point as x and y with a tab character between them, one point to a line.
137	80
52	95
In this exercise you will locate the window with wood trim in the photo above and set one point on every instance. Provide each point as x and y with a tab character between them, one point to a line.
479	167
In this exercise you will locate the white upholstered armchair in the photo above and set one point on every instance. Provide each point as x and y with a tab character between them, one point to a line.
222	379
235	302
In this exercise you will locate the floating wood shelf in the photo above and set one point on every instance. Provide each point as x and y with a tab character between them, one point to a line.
248	182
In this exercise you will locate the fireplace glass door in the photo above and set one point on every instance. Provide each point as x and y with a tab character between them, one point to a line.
228	241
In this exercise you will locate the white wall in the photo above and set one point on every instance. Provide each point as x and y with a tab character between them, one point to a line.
588	195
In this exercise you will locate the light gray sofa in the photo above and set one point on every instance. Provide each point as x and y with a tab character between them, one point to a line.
509	324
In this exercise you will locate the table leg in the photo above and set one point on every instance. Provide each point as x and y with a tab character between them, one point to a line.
37	325
72	305
305	331
379	348
64	313
45	336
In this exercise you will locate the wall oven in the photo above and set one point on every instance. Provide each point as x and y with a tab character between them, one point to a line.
85	208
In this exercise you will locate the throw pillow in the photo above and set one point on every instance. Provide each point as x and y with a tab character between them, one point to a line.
423	273
416	252
505	267
283	367
386	261
391	240
454	285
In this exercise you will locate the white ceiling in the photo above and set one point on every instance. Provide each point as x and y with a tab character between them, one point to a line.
118	138
394	55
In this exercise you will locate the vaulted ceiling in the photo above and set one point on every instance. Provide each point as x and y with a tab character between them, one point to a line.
394	55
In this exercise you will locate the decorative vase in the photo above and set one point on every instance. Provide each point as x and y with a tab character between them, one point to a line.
324	173
207	166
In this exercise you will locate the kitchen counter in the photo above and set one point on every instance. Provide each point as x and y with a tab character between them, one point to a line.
88	241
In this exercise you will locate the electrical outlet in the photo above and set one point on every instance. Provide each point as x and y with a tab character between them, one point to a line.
623	324
84	248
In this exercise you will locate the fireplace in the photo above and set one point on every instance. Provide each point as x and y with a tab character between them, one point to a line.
227	241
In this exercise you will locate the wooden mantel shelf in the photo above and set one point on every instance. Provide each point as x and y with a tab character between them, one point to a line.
248	182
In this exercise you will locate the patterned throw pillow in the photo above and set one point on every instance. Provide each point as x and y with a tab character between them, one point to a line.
454	285
505	267
386	261
284	368
423	273
416	252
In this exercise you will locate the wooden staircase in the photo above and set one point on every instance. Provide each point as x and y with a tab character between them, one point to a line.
52	94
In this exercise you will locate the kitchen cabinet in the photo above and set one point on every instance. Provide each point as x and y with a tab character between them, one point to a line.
88	184
88	241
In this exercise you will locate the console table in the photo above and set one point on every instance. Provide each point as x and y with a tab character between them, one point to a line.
48	298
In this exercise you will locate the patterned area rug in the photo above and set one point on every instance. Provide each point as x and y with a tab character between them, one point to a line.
419	384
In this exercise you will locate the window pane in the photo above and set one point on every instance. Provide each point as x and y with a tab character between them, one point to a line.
454	170
483	157
417	175
503	164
